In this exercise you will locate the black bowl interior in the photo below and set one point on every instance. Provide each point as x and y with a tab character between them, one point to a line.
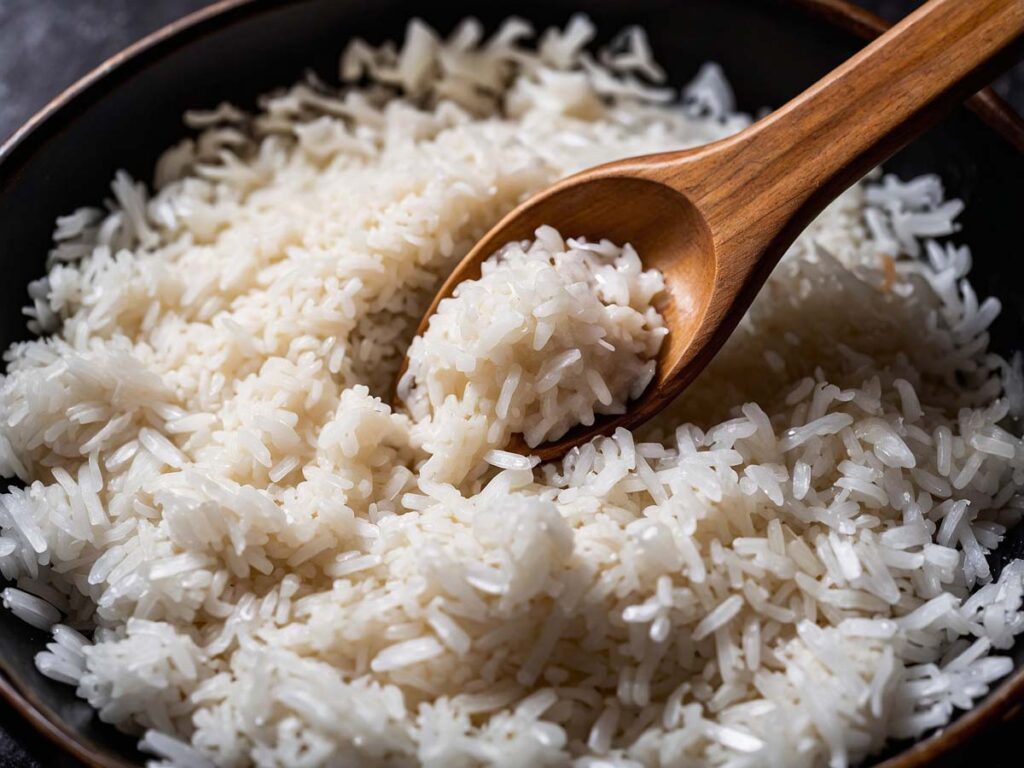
770	49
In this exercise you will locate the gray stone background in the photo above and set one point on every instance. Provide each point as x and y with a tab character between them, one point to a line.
75	36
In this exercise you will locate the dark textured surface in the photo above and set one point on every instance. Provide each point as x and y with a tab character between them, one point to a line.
46	44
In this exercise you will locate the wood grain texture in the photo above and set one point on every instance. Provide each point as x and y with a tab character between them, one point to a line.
716	219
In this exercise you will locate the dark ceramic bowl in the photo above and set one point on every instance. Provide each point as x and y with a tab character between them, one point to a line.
124	113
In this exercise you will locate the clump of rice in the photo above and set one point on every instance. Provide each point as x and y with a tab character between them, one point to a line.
788	567
552	334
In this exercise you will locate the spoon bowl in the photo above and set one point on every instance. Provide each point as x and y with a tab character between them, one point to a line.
667	231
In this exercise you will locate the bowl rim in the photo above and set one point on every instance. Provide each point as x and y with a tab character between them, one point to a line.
1001	704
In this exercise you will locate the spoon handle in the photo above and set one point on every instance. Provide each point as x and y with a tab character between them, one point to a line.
767	182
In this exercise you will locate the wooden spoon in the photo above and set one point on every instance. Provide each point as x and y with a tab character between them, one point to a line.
716	219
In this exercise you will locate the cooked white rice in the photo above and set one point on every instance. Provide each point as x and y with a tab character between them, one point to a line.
551	334
787	568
